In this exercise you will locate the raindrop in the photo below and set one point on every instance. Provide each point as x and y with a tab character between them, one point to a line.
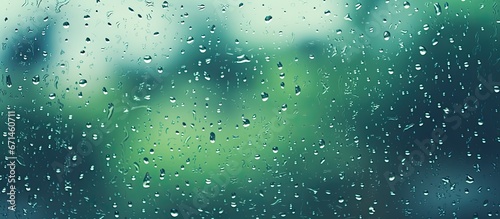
469	179
347	17
190	40
162	174
387	35
496	88
358	6
52	96
9	81
164	4
437	8
297	90
406	5
264	96
390	71
422	50
212	137
275	150
202	48
268	18
66	24
82	82
174	212
147	59
246	122
147	180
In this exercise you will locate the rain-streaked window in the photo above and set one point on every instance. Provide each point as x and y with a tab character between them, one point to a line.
250	109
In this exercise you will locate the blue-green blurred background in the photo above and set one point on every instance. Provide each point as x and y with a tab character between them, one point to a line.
252	109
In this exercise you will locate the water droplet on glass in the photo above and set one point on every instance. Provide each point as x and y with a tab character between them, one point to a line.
297	90
202	48
390	71
264	96
422	50
52	96
9	81
212	137
358	6
162	174
275	150
174	212
246	122
469	179
82	82
406	5
347	17
437	8
242	59
147	59
496	88
66	24
190	40
387	35
147	180
268	18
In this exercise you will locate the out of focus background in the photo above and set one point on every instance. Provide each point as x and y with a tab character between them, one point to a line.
251	109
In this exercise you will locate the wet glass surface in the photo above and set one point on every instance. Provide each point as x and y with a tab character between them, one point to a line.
250	109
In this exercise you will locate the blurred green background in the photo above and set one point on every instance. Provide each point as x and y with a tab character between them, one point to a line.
225	109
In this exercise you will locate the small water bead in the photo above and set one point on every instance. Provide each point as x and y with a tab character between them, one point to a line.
52	96
202	48
212	137
422	50
469	179
358	6
174	212
406	5
390	71
82	82
387	35
148	59
297	90
264	96
66	25
496	88
268	18
246	123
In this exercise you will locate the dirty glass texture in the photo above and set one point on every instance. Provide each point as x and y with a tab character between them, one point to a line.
250	109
